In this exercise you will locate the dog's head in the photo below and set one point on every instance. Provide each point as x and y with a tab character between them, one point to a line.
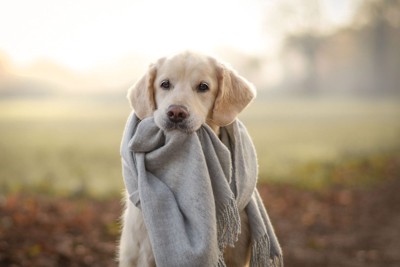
187	90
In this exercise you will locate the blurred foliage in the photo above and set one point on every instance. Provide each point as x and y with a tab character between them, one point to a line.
361	58
42	231
340	226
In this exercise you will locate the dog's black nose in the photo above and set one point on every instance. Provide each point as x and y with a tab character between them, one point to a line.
177	113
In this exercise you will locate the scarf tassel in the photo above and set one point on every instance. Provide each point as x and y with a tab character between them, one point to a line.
228	224
221	261
260	254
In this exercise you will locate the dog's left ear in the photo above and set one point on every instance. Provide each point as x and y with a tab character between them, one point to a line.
234	94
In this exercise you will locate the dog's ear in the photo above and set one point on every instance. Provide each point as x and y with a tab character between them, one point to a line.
141	94
234	94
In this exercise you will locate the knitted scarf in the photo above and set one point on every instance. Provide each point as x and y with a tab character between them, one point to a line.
191	187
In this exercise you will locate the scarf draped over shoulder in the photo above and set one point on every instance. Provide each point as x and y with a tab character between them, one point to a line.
191	188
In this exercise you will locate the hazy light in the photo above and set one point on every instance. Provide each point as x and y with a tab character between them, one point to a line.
93	45
82	34
339	12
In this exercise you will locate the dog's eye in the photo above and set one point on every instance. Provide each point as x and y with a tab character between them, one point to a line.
203	87
165	84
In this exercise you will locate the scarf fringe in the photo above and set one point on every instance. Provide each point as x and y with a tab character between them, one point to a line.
221	261
261	254
277	261
228	225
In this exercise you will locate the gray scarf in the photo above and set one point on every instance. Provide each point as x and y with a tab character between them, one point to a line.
191	187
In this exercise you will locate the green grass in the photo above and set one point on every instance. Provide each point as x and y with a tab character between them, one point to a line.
67	146
293	134
72	146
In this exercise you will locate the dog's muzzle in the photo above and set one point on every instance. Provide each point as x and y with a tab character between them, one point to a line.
177	117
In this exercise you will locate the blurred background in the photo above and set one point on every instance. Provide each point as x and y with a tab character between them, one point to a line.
326	122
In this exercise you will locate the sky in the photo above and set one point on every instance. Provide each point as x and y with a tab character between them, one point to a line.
82	34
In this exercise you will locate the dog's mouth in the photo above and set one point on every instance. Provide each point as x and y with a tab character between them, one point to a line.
188	125
176	117
183	126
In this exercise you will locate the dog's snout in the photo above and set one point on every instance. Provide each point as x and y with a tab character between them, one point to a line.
177	113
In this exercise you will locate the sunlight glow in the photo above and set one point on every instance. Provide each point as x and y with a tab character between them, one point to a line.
81	34
106	44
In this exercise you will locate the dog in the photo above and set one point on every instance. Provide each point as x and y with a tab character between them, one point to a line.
183	92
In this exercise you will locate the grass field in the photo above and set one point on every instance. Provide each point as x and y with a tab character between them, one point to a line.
71	146
311	142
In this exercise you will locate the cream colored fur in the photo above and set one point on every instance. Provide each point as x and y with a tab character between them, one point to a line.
227	95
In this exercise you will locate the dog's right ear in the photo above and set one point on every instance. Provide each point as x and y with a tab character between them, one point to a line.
141	94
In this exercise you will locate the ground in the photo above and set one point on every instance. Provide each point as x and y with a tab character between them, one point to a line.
339	226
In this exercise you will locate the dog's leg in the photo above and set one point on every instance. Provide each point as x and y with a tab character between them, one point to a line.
134	248
239	256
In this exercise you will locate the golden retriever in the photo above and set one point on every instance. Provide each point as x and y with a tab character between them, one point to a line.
183	92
